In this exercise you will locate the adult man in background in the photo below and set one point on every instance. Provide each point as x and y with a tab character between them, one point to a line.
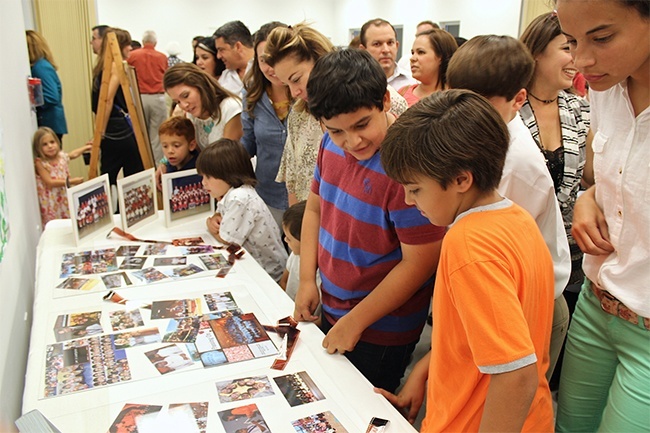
97	37
234	45
379	38
150	66
405	62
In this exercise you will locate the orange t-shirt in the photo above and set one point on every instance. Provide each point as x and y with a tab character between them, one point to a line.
493	313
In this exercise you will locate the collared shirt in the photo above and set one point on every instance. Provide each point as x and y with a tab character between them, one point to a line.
527	182
622	172
264	137
150	66
231	81
400	78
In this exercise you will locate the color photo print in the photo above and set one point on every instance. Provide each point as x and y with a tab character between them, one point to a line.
138	204
298	388
82	364
319	422
145	418
90	207
243	419
88	262
244	388
233	338
184	196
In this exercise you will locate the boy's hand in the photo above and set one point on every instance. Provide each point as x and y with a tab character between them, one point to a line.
214	223
342	337
307	300
589	225
409	400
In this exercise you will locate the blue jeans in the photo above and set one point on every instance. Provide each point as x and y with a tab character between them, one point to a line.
605	381
383	366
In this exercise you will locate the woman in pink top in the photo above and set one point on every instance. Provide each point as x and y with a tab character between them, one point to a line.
430	55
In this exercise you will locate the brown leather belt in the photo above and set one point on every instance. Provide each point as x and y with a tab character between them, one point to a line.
611	305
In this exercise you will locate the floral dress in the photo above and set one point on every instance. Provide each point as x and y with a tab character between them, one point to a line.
53	201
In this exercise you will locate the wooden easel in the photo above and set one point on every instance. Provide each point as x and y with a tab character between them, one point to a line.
114	56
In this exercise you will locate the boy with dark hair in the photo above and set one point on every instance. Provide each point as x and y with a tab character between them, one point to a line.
178	142
499	68
375	254
493	300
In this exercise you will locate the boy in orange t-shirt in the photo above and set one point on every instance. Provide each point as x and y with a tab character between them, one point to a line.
493	298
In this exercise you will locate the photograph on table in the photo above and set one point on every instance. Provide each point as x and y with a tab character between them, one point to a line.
170	261
184	197
149	275
214	261
188	242
182	330
133	262
187	417
244	388
77	325
82	364
319	422
220	301
88	262
127	250
140	418
243	419
73	283
116	280
168	359
242	337
123	319
137	198
136	337
197	249
91	210
155	250
298	388
176	308
185	271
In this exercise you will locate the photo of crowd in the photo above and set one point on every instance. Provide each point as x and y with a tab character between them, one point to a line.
139	201
92	211
187	197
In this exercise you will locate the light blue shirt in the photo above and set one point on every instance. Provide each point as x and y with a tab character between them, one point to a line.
264	137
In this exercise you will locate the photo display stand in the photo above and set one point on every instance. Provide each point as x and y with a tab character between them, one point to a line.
129	86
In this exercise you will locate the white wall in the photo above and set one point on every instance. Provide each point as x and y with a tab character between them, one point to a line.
477	17
180	21
17	125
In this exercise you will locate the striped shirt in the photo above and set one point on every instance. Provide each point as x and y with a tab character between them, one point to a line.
363	221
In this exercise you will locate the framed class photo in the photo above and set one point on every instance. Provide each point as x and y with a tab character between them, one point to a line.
91	210
184	197
137	197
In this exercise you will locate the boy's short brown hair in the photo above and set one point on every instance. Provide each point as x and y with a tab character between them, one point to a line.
444	134
180	126
227	160
493	66
292	218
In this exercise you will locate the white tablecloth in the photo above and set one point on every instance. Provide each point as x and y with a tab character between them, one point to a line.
348	395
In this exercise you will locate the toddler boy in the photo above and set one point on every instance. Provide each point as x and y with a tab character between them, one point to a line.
178	142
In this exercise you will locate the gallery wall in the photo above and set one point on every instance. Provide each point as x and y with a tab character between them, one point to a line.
17	124
180	21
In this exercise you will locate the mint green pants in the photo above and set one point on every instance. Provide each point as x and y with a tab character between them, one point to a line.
605	382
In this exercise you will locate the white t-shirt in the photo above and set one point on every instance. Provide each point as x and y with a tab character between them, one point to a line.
247	221
527	182
208	131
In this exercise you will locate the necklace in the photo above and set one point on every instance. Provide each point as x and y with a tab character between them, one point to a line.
543	101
